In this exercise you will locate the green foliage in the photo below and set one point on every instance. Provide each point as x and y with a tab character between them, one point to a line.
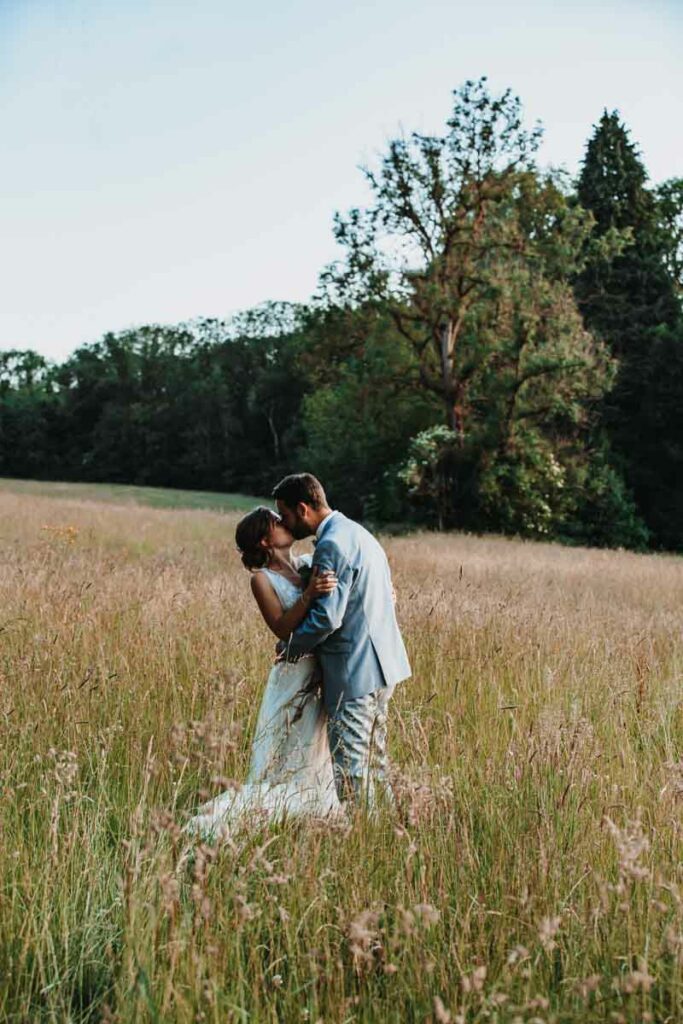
624	295
428	250
669	198
654	444
469	250
631	301
603	512
579	497
524	490
434	473
359	418
203	405
29	428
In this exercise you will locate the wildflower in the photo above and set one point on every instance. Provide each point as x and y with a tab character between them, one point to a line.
547	930
407	921
65	766
675	780
163	821
245	911
474	982
67	534
441	1014
588	985
631	846
363	935
516	955
674	943
638	981
170	890
537	1003
426	914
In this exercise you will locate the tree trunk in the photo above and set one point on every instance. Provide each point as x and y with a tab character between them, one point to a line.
274	433
452	391
446	352
451	415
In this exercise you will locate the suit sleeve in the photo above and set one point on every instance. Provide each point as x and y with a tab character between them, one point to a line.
326	614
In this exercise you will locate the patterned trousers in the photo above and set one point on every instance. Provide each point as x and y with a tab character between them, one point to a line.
357	732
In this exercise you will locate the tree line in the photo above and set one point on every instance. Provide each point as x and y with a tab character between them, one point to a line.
498	348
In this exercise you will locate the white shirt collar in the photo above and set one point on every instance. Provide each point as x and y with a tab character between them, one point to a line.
322	523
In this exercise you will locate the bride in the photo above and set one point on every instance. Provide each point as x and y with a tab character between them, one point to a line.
291	769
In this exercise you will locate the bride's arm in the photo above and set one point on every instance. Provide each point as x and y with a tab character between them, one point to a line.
282	623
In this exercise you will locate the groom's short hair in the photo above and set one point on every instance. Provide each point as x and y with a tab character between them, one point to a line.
300	487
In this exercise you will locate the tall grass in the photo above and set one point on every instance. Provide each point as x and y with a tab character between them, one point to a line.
531	873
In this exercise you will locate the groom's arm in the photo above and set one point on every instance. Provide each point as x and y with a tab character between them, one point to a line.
326	612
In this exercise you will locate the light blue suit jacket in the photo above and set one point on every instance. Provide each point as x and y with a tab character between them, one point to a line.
353	630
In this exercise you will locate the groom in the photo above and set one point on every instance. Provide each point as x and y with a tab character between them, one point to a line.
353	631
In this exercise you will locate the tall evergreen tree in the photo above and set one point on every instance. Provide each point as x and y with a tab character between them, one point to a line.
624	296
670	202
631	301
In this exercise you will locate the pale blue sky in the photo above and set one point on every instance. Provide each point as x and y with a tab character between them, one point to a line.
166	160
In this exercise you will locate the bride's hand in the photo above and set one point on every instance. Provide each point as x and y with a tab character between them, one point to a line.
319	584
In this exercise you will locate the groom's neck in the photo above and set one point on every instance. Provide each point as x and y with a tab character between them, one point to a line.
319	515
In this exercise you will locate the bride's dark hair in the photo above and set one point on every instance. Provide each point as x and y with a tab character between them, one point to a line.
250	531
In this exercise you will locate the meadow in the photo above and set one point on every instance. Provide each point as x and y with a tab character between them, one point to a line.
532	869
132	494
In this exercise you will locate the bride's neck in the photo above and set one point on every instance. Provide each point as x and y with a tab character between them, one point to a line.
282	559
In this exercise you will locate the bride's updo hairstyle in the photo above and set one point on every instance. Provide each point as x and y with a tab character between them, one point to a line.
250	531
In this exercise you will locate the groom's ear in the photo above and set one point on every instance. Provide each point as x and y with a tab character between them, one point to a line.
302	509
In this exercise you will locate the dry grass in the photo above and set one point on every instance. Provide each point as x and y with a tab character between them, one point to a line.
533	872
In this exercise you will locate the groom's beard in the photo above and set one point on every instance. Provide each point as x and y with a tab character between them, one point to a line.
301	530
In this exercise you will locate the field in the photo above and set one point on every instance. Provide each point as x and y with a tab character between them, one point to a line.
129	494
532	871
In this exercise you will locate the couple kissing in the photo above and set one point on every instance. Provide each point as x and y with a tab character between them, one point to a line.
321	734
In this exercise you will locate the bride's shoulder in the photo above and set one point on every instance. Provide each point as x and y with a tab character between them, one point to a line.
260	580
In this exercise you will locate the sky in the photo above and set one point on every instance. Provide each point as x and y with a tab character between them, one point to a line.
167	160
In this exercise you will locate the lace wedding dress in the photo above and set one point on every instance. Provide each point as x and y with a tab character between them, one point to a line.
290	773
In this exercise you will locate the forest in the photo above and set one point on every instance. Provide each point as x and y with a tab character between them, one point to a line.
498	348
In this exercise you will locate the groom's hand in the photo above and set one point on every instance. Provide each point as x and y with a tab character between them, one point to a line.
281	652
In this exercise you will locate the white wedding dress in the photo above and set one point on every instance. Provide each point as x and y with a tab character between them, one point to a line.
290	773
